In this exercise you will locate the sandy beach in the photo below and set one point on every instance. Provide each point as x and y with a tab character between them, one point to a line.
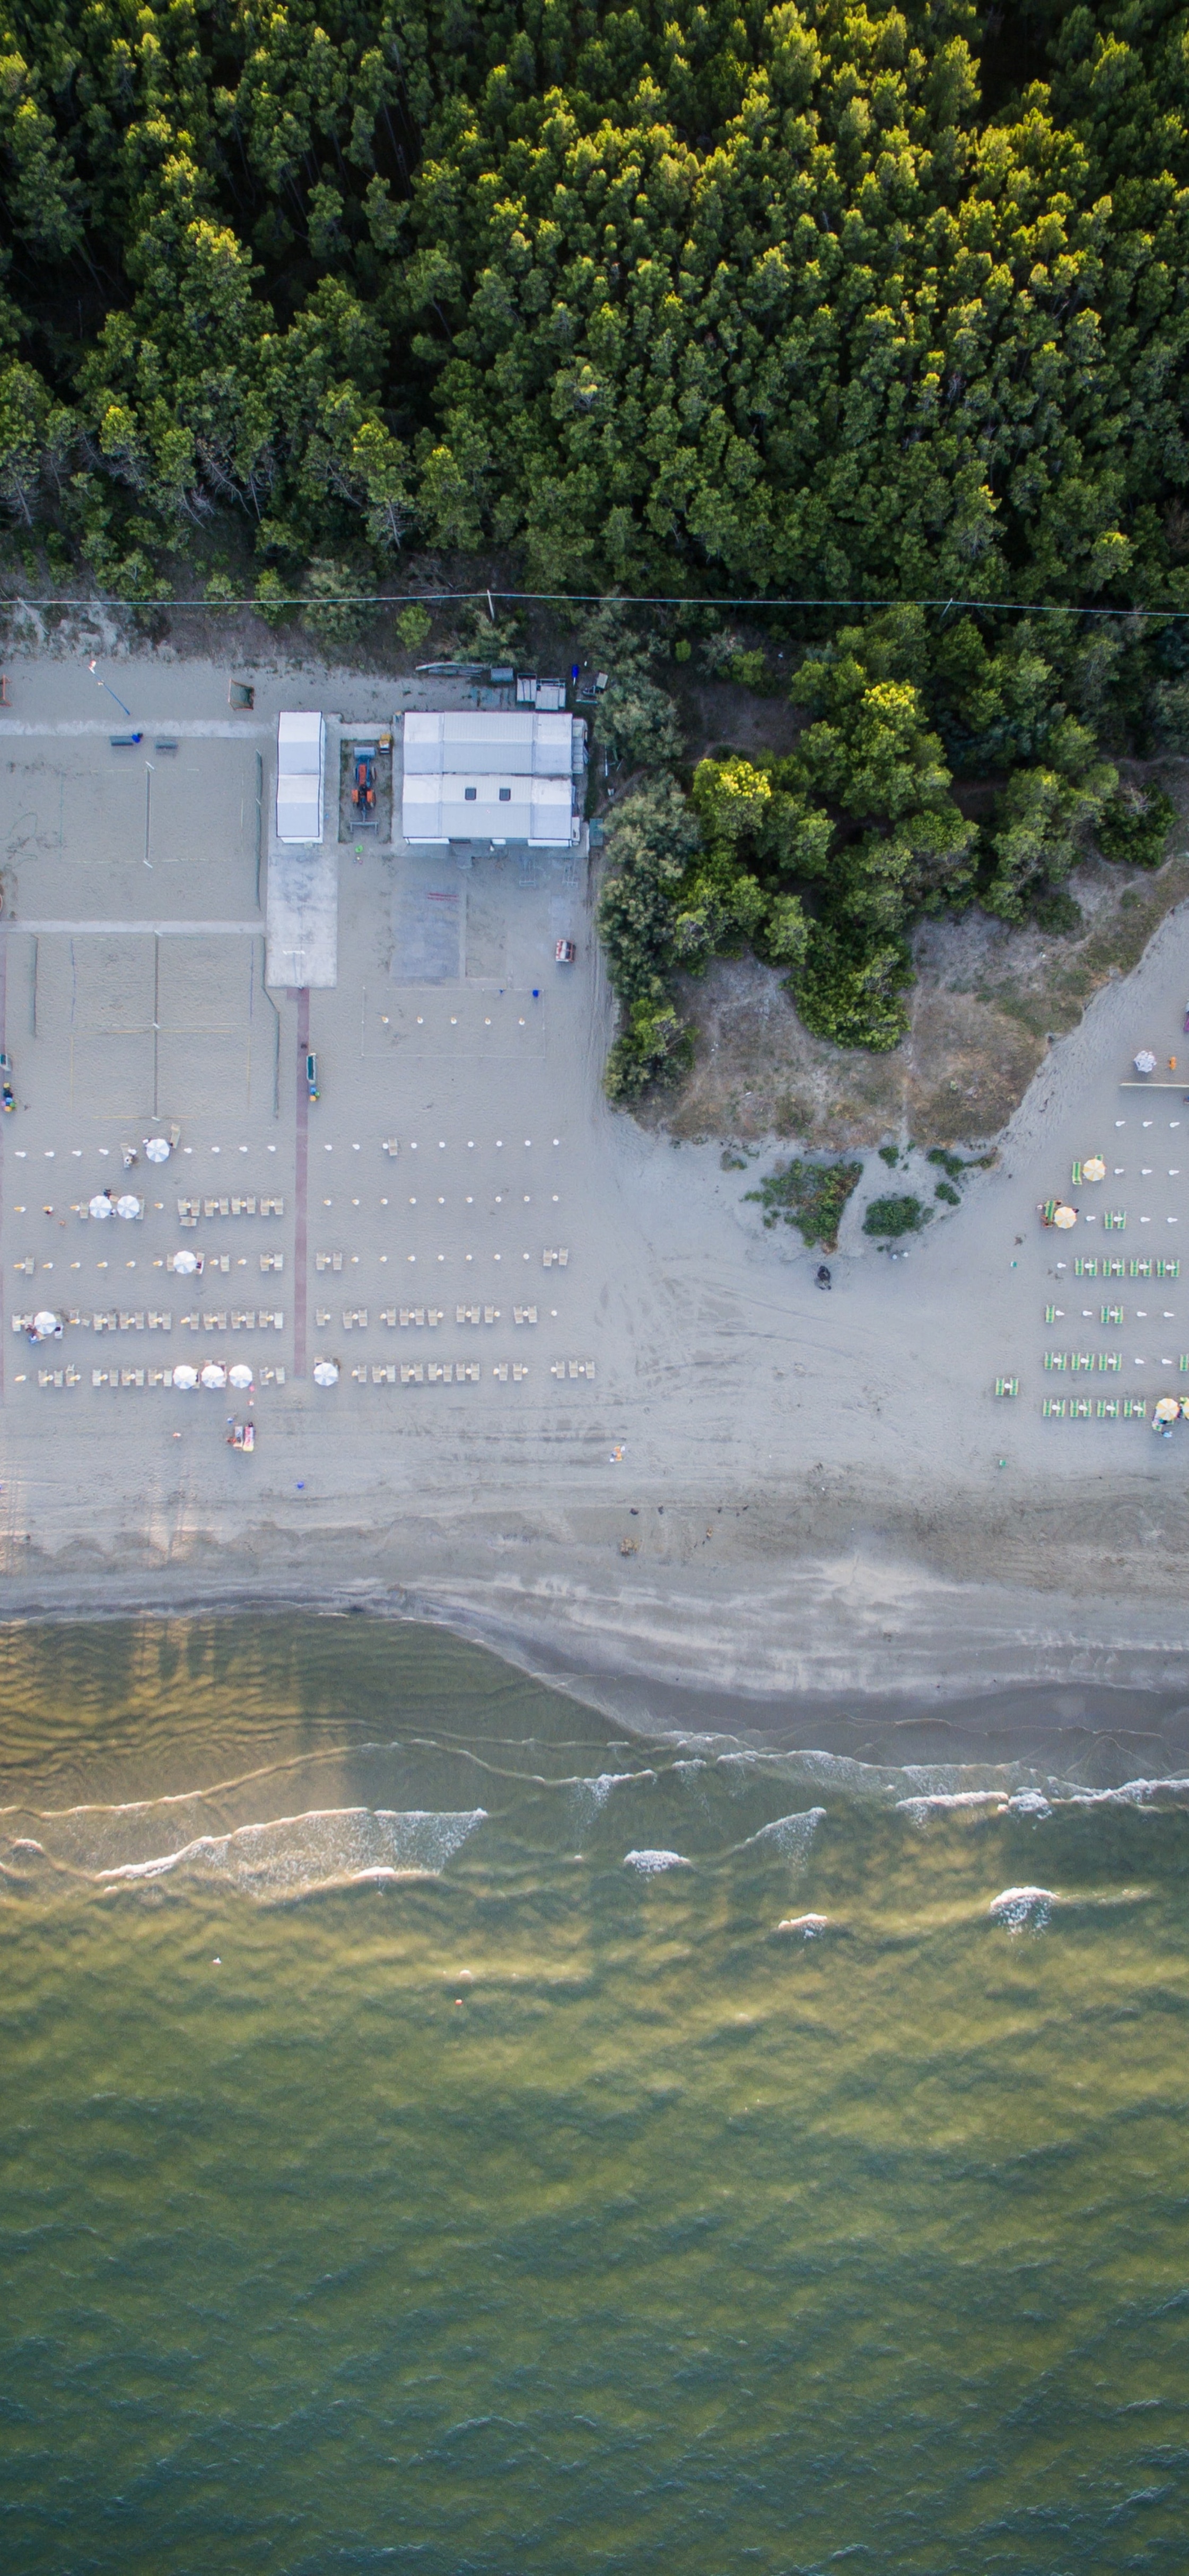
708	1479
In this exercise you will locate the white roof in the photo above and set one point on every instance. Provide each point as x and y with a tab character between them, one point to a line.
482	807
523	744
299	809
299	744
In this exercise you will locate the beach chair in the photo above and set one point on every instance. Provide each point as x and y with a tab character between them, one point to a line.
411	1373
499	1369
383	1373
519	1371
468	1371
1135	1408
389	1145
132	1377
272	1261
49	1377
1108	1408
243	1319
562	1260
106	1323
272	1377
491	1314
1053	1408
1007	1386
1114	1221
439	1372
1168	1270
272	1207
435	1315
1085	1269
1054	1359
192	1320
271	1319
321	1317
160	1320
160	1377
1110	1314
1140	1269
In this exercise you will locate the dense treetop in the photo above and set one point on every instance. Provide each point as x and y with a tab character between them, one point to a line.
802	297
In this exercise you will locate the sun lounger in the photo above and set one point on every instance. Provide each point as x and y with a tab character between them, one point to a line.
491	1314
1007	1386
383	1373
1168	1270
1135	1408
272	1207
466	1371
1140	1269
1108	1408
1053	1408
271	1318
411	1373
272	1260
519	1370
1114	1221
435	1315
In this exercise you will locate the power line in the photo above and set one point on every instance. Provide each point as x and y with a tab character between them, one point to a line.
600	599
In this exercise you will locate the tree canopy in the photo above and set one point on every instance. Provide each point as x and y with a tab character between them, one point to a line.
828	298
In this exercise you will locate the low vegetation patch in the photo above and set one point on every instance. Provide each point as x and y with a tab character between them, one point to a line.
810	1196
888	1217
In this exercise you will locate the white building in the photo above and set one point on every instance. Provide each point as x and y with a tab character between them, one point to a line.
301	765
470	775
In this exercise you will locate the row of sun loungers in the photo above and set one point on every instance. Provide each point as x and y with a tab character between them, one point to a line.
1083	1408
1089	1268
117	1377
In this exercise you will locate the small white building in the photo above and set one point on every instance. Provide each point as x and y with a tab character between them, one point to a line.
473	775
301	767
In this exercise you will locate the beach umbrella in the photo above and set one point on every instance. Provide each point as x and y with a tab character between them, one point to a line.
127	1205
326	1372
100	1205
185	1262
184	1375
157	1149
1095	1169
1145	1061
240	1375
214	1374
1168	1409
45	1324
1065	1217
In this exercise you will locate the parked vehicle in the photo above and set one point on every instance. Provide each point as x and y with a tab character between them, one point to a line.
565	952
312	1090
363	790
8	1098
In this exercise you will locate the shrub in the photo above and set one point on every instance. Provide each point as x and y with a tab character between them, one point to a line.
642	721
413	625
809	1196
893	1216
655	1046
851	994
1135	826
889	1154
334	619
949	1194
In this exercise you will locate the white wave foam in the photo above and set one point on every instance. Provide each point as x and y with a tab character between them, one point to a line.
331	1846
1023	1908
590	1796
791	1836
1029	1802
941	1802
650	1863
808	1925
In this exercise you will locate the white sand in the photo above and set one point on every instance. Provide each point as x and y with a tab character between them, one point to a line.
819	1503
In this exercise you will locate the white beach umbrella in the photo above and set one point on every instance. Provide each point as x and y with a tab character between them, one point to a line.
1145	1061
100	1205
184	1262
240	1375
326	1372
128	1206
45	1324
184	1375
214	1374
157	1149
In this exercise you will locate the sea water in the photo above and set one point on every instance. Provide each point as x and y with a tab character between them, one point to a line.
440	2132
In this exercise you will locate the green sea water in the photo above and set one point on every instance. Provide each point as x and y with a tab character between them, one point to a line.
421	2148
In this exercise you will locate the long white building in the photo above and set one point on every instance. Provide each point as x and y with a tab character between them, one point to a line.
473	775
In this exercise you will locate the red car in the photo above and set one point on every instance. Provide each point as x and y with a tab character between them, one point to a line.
564	953
363	792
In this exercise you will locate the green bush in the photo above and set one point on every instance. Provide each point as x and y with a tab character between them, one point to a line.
889	1154
1135	825
894	1216
809	1196
413	625
654	1046
945	1191
851	995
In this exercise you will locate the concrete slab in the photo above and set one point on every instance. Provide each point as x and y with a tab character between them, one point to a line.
302	915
